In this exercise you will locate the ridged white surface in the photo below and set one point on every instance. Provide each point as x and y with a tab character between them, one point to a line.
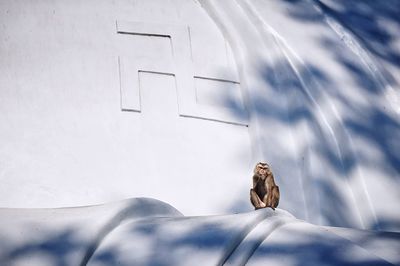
177	100
149	232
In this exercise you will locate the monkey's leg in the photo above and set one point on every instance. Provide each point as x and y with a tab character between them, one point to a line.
275	197
255	200
268	200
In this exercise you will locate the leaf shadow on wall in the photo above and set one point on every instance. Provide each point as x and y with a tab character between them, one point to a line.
366	134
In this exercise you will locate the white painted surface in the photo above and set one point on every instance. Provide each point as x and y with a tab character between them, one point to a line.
149	232
319	102
68	134
103	100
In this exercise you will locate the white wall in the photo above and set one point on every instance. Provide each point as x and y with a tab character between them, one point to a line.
69	134
324	105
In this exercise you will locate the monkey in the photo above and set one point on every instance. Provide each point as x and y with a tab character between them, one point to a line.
265	193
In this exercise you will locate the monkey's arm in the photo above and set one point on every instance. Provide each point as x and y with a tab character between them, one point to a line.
272	199
255	181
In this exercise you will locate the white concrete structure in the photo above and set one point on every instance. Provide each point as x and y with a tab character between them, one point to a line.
149	232
103	101
177	100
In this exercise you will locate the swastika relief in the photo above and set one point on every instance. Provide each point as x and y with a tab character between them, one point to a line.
206	91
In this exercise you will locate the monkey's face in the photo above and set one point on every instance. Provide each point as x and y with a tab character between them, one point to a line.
262	169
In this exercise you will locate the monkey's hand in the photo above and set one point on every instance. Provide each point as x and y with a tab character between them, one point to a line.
261	206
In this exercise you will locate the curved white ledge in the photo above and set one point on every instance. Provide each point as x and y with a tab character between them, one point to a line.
149	232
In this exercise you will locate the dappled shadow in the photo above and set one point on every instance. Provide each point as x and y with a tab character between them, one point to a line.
368	20
53	247
212	241
372	22
390	225
197	239
69	236
345	129
334	207
136	208
312	249
206	240
381	130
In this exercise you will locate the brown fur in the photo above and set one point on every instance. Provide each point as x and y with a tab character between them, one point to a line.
265	193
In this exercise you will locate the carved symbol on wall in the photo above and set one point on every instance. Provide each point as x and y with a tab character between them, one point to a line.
191	89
